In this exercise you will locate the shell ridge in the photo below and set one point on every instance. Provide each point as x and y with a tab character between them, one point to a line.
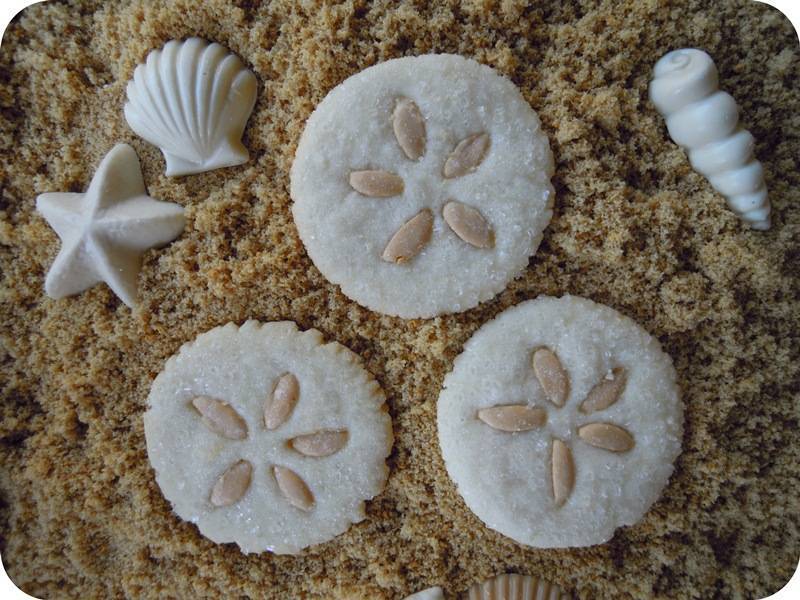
136	112
158	114
168	64
156	94
166	79
231	149
242	86
201	91
187	56
144	105
144	85
212	57
223	79
197	92
156	91
244	83
191	91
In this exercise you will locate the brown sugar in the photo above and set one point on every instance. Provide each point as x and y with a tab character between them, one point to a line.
635	227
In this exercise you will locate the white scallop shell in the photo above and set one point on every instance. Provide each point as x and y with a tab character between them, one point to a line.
705	122
511	586
192	99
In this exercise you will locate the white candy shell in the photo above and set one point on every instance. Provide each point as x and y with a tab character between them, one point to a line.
700	123
729	153
705	122
748	179
192	99
682	77
432	593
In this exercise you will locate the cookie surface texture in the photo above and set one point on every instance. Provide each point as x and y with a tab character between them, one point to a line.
421	185
560	422
268	437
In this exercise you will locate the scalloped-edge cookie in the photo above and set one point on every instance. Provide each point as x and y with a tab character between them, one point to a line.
267	436
421	185
560	422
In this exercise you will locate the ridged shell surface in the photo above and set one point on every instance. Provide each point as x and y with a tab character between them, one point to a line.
705	122
432	593
192	99
516	587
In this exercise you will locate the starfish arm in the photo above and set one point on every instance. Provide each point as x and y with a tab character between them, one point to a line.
119	268
63	212
141	223
118	177
105	231
72	271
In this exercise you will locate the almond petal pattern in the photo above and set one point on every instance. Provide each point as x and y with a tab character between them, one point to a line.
551	375
321	443
410	238
409	128
513	417
467	155
220	417
280	404
563	472
293	488
605	393
232	484
468	224
377	184
606	436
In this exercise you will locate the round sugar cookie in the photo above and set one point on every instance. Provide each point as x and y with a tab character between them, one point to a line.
560	422
265	436
421	185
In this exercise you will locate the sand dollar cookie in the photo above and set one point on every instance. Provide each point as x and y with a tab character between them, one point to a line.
265	436
421	185
560	422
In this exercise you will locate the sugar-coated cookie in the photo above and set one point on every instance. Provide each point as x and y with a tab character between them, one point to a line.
421	185
560	422
266	436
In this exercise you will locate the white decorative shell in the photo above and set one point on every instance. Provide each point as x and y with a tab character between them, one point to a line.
432	593
705	122
511	586
192	99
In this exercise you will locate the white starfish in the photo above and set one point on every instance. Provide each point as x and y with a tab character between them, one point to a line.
105	231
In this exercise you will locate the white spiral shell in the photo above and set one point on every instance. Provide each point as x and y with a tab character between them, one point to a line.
192	99
705	122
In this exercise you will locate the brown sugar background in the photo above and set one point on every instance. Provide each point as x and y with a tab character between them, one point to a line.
634	228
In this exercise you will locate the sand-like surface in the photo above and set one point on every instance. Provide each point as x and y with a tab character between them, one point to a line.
635	228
